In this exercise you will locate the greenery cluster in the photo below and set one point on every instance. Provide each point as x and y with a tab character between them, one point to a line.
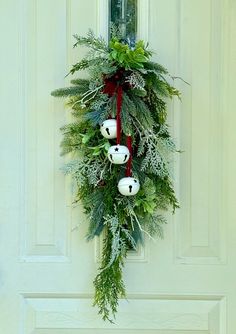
124	221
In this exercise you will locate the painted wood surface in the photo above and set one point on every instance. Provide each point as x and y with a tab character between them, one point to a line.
182	284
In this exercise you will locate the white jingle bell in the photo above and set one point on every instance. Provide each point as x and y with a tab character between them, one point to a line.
128	186
109	129
118	154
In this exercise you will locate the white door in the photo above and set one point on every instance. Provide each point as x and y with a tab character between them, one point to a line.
185	283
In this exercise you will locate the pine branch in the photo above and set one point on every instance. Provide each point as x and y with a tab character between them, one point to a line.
82	65
69	91
159	69
80	82
143	113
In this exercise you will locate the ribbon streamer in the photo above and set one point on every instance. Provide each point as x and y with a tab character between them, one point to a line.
118	112
128	172
110	89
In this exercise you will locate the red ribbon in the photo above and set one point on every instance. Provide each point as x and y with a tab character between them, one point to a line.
110	89
128	172
118	112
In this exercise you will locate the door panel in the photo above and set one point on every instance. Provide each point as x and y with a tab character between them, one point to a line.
152	314
202	49
44	215
182	284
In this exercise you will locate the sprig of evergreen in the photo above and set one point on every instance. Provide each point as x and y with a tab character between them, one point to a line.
109	284
91	41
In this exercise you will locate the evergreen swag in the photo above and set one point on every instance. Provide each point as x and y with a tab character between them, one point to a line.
124	220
